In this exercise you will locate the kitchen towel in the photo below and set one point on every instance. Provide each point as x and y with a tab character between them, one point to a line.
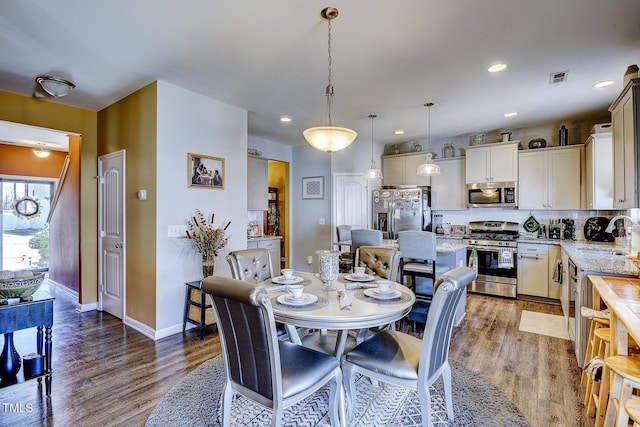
557	273
505	258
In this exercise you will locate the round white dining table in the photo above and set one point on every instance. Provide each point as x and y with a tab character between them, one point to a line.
365	311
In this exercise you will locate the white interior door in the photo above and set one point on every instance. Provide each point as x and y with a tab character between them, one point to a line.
111	263
352	200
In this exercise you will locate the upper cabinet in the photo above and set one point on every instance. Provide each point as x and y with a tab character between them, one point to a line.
448	188
492	163
626	131
401	169
257	189
550	178
599	171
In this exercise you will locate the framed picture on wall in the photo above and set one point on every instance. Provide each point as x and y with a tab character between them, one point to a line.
313	187
205	171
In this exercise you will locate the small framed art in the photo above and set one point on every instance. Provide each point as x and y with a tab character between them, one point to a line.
313	187
205	171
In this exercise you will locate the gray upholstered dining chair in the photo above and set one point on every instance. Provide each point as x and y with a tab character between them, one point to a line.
346	258
275	374
250	265
418	249
402	359
364	237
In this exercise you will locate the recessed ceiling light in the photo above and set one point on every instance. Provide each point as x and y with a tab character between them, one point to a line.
399	132
285	119
495	68
511	114
603	83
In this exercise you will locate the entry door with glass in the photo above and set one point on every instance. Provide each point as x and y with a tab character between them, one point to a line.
25	232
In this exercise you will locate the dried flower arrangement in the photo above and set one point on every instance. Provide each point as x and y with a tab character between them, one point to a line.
206	239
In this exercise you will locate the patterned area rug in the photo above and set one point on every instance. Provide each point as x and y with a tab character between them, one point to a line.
195	401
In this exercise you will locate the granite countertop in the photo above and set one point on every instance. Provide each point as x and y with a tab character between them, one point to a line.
449	248
601	258
254	238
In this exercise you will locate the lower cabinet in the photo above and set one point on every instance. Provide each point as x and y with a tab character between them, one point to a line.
533	269
273	246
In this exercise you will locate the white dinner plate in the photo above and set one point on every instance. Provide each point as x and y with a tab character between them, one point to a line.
386	293
281	280
306	299
356	278
377	295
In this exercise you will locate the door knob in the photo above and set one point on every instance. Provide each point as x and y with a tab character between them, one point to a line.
118	245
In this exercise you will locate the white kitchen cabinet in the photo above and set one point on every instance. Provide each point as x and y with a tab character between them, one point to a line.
599	171
533	269
550	178
492	163
626	134
257	188
401	170
448	188
273	246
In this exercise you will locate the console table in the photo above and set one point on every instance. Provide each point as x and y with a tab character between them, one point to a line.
37	313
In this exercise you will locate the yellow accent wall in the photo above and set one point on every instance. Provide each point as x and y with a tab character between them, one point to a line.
48	114
131	124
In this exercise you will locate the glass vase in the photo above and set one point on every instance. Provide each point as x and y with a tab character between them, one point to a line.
328	267
208	265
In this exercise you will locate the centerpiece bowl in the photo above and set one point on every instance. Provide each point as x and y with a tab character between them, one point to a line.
19	284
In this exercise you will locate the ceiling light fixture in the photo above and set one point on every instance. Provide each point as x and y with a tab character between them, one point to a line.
329	138
495	68
603	83
511	114
399	132
41	152
55	86
372	172
429	168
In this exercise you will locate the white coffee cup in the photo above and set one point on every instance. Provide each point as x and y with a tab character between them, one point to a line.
287	273
359	271
295	291
384	287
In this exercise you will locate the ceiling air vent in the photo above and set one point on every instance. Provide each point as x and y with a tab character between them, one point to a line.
558	77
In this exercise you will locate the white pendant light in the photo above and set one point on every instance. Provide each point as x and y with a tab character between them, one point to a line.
429	168
329	138
372	172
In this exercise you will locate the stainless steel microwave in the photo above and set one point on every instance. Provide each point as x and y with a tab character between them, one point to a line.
492	195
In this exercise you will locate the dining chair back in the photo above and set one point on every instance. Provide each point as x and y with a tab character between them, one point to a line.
250	265
402	359
346	259
275	374
381	261
364	237
418	249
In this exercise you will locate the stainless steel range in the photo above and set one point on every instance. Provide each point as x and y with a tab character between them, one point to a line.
496	246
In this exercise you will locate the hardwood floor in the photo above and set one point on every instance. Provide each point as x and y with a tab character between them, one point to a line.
106	374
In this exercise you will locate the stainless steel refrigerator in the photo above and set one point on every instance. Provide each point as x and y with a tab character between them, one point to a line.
396	210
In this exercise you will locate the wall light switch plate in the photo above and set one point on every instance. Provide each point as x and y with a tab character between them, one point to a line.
321	221
177	231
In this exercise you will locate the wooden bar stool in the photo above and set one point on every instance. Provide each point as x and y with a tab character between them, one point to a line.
594	400
592	348
626	378
633	410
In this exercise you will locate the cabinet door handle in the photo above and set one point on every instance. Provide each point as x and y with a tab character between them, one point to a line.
529	256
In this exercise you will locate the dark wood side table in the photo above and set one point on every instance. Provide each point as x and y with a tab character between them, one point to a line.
37	313
197	310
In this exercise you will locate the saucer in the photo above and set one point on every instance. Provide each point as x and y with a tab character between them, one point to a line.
356	278
306	299
393	294
281	280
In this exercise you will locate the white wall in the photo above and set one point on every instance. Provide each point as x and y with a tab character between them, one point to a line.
192	123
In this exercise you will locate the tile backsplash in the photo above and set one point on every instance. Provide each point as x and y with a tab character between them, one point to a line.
543	217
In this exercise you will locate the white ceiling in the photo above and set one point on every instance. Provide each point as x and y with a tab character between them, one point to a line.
389	58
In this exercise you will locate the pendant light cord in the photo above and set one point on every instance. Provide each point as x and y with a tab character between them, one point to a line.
329	90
